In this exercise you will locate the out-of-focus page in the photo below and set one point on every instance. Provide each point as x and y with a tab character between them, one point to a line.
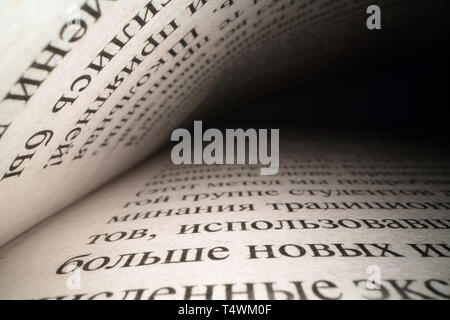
90	88
344	218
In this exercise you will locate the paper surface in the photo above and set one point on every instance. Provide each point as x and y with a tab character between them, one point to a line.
91	88
342	212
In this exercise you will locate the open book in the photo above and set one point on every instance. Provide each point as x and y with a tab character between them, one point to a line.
91	88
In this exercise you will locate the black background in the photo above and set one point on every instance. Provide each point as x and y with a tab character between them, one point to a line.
404	92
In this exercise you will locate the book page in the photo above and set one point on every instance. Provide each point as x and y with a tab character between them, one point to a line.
346	217
91	87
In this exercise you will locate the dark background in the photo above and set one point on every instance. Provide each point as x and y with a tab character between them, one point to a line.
404	93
